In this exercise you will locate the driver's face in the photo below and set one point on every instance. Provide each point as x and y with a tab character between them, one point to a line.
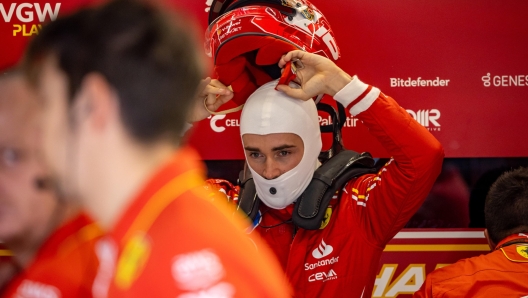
273	154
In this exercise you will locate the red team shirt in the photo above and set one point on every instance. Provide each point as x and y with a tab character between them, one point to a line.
341	259
175	241
500	273
64	266
8	268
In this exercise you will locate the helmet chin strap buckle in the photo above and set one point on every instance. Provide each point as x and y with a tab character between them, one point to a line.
296	65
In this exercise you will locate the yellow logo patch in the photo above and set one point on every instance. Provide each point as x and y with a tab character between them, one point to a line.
132	260
326	218
523	250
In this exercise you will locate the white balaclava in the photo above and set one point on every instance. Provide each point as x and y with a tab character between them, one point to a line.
270	111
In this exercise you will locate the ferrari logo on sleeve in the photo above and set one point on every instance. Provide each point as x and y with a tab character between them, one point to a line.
132	261
519	255
522	250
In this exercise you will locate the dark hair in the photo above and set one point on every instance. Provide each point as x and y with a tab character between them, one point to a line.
152	61
506	207
478	194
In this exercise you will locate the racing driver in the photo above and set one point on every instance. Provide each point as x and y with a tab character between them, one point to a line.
281	138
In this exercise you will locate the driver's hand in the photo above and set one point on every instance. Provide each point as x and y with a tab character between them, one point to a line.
319	75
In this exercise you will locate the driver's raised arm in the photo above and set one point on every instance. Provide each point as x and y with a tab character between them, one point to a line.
383	202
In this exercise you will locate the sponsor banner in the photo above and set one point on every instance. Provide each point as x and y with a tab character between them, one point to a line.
464	81
413	253
22	19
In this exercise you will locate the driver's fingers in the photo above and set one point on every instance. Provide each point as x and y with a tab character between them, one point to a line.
297	54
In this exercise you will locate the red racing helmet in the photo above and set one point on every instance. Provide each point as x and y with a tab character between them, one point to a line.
246	39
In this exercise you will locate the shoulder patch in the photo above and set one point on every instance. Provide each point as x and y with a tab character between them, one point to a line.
517	253
522	250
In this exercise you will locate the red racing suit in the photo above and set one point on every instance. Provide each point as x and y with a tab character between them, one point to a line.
341	258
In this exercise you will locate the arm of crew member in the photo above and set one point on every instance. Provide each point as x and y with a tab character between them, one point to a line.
425	291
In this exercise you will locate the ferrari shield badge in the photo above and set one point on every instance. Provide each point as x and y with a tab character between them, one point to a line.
522	250
326	218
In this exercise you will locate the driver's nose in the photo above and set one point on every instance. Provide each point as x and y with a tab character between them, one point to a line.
271	170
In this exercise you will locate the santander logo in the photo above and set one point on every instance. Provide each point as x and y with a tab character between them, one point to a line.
322	250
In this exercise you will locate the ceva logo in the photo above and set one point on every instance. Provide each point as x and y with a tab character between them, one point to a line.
322	250
324	276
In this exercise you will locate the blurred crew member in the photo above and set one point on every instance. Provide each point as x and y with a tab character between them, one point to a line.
504	271
51	241
117	82
338	254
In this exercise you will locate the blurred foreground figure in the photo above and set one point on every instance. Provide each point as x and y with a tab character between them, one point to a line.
117	82
51	241
504	271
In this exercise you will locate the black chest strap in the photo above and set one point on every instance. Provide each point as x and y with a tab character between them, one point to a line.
332	176
248	201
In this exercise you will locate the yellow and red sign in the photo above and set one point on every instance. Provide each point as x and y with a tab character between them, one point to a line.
413	253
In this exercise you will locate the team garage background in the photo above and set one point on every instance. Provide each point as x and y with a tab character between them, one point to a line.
460	68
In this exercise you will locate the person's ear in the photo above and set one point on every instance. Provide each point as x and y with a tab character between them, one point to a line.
491	244
97	101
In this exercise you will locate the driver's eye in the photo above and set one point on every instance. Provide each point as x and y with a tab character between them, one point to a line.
255	155
284	153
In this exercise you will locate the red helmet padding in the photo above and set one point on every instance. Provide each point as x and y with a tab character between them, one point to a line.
273	51
229	72
240	45
237	65
260	77
244	86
